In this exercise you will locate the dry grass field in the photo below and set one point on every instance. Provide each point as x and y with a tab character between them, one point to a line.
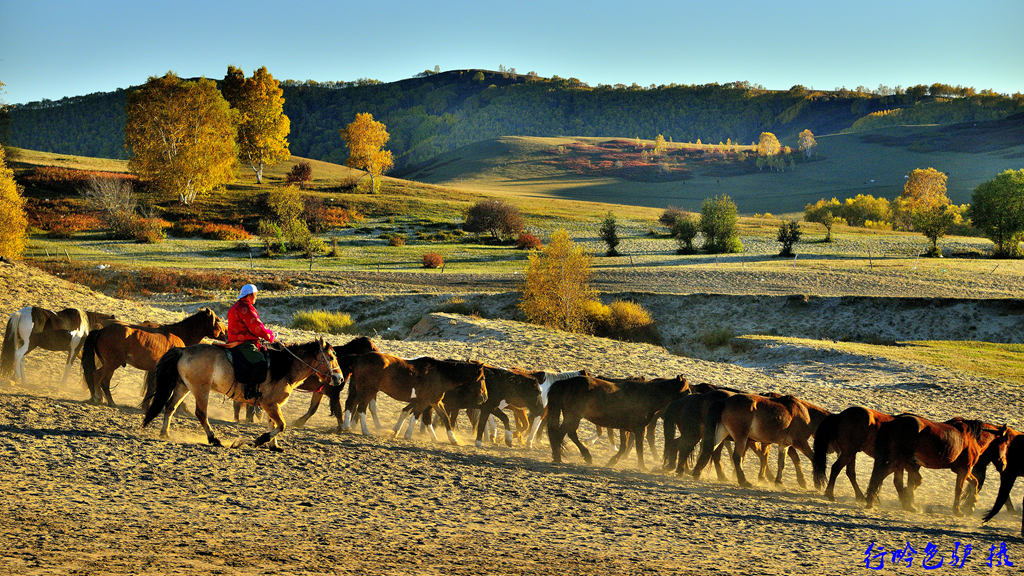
87	491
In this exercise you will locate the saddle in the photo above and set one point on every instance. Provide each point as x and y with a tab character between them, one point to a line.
251	366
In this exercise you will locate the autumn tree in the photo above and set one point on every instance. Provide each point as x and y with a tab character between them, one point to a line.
925	204
806	143
498	217
13	222
557	285
659	145
181	136
718	219
826	213
262	126
997	209
769	152
366	138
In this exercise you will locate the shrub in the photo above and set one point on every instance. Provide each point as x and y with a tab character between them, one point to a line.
433	260
789	234
527	241
224	232
685	229
826	213
186	229
497	217
621	320
335	217
396	240
314	213
718	225
716	338
323	321
272	237
457	305
300	174
71	224
117	205
671	214
148	230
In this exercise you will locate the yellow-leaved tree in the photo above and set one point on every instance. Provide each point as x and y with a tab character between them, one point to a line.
557	286
365	138
181	135
12	213
806	142
925	205
262	125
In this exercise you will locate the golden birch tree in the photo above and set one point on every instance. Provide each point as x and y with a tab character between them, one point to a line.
13	222
262	125
366	138
181	136
557	285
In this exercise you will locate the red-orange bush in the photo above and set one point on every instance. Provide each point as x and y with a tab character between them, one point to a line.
527	241
224	232
433	260
67	226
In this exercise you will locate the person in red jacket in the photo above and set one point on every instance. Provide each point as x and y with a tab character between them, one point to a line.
245	327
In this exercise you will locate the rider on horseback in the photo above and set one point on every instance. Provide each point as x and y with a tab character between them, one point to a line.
245	327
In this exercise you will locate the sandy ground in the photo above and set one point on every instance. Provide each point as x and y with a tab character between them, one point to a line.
86	491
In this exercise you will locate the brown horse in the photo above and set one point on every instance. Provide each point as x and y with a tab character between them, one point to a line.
506	388
119	344
205	368
687	415
851	431
908	442
627	406
34	327
1010	463
345	354
422	382
784	421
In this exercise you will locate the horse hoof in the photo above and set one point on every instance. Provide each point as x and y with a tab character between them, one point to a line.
479	444
215	441
275	448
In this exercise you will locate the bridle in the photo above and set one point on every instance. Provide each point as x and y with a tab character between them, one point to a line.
323	357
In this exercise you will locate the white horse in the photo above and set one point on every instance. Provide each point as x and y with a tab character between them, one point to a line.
33	327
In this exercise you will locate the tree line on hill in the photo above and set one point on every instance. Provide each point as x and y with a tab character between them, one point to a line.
436	113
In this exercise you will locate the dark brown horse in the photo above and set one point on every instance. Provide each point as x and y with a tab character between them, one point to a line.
345	354
851	431
627	406
119	344
506	388
422	382
204	368
34	327
908	442
687	415
743	417
1010	463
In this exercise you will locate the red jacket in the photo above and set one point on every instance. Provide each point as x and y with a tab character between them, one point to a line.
244	323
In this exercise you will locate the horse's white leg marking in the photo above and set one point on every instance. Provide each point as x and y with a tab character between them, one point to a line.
346	420
532	433
412	424
376	417
362	422
508	437
77	336
433	434
451	437
25	333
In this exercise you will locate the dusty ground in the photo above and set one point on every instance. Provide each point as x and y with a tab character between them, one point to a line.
86	491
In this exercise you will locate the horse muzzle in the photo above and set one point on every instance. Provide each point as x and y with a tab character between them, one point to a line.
337	379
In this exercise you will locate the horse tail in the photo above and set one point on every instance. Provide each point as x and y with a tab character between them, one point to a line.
7	353
712	420
166	380
1006	480
827	432
89	358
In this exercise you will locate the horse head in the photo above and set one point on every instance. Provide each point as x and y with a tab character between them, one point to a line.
467	372
327	363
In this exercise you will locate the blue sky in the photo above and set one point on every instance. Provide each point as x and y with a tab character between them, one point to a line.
51	49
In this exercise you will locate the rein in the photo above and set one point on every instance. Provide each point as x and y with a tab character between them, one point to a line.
323	356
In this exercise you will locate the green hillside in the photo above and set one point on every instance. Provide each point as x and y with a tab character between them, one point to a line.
846	164
437	113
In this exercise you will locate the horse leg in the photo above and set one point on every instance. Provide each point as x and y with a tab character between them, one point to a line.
782	462
405	413
796	463
180	391
501	416
574	436
25	333
73	349
314	403
237	408
716	457
739	449
478	424
103	383
274	418
443	414
879	471
531	434
958	490
638	435
373	412
624	446
972	492
851	473
202	402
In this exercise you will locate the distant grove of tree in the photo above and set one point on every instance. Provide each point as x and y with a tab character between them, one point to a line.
436	113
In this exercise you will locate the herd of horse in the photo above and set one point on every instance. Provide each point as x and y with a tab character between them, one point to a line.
710	417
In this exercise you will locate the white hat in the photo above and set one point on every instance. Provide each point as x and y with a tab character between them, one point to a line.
246	290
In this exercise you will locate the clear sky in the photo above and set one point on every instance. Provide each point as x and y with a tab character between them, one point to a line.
52	49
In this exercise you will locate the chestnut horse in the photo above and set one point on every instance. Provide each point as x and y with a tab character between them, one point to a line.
34	327
784	420
908	442
506	388
687	415
851	431
1010	463
119	344
205	368
345	354
422	382
628	406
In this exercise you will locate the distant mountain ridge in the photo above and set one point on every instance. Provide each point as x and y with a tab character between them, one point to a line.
433	114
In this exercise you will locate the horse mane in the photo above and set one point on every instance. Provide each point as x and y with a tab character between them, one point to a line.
281	361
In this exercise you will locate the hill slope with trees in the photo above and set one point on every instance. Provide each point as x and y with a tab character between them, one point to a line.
435	113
